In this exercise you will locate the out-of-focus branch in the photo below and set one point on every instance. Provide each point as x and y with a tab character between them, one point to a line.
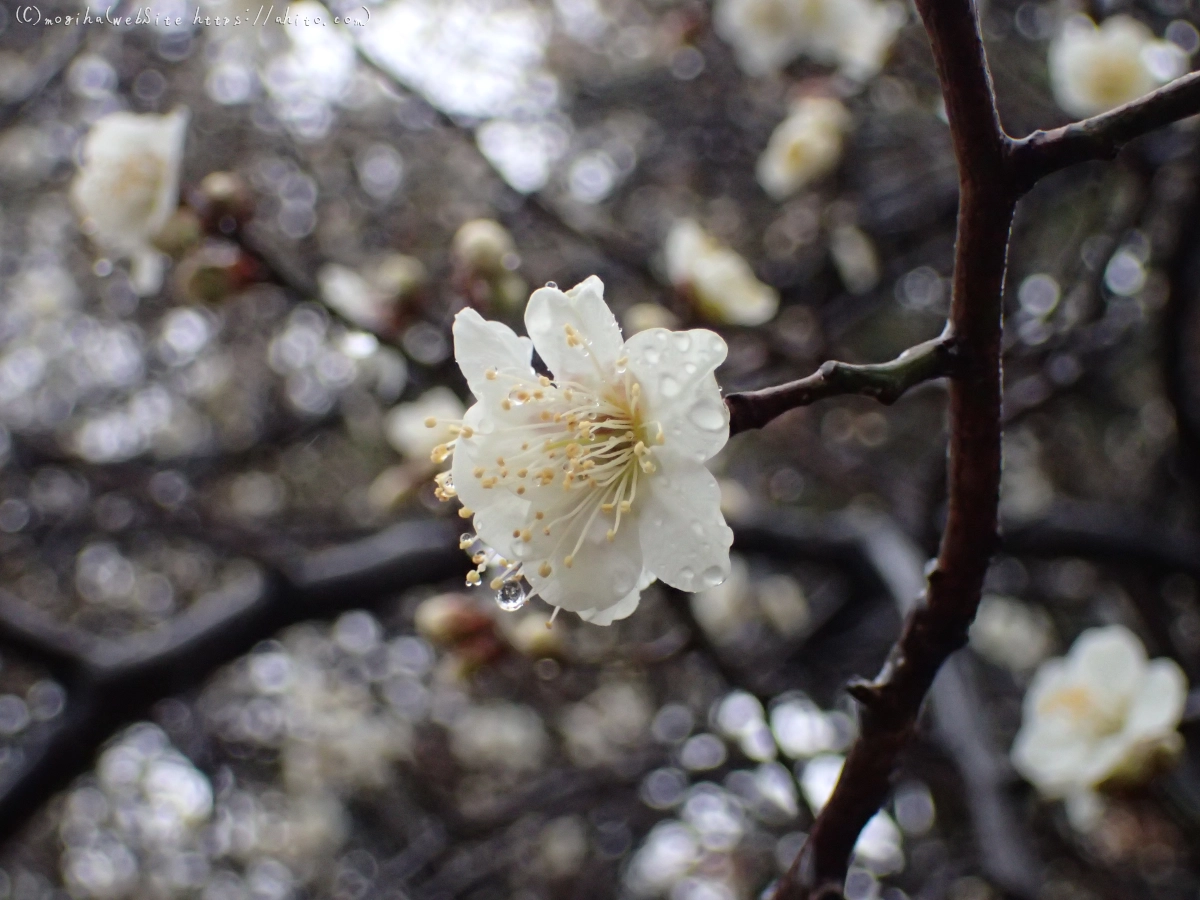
938	627
1101	137
111	682
886	382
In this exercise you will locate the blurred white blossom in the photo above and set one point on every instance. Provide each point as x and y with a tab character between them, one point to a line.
591	485
805	146
1012	634
406	427
1101	714
481	246
854	35
128	186
1096	68
506	736
717	277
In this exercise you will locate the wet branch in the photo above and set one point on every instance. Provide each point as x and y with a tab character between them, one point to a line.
886	382
1101	137
938	626
994	171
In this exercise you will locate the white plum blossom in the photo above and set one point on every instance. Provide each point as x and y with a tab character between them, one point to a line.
854	35
1096	68
804	146
406	429
590	484
1104	713
482	245
717	277
128	187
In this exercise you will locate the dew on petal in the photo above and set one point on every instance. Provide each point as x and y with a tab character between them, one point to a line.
714	575
708	416
669	387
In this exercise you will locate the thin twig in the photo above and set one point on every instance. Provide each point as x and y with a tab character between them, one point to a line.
1101	137
886	382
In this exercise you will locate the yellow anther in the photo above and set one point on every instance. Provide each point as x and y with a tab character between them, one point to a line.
478	471
607	507
465	513
473	577
544	570
520	488
544	381
506	404
569	560
467	431
431	422
625	506
521	473
526	536
539	515
466	544
610	534
491	374
496	583
516	532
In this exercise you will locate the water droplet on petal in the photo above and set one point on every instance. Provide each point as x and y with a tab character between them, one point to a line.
511	596
697	529
687	573
466	538
652	356
714	575
690	368
661	337
708	415
552	285
683	341
669	387
448	483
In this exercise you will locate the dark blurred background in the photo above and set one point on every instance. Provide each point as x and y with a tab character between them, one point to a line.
236	656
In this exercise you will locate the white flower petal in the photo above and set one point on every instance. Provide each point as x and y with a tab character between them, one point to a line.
621	610
1157	706
549	313
1050	759
684	536
602	574
1109	661
480	345
675	371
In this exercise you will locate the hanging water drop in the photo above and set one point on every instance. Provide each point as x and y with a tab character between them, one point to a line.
511	596
466	538
552	285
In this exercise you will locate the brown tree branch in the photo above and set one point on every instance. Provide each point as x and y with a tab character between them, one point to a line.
886	382
1101	137
938	627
